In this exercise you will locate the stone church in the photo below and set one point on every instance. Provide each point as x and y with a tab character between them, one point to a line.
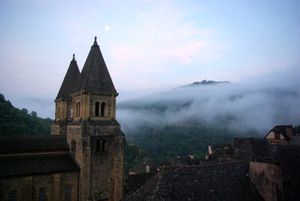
83	159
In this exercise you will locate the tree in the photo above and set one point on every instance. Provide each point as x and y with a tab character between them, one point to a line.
18	122
33	114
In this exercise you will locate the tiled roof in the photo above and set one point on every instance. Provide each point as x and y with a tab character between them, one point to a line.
25	144
196	183
31	164
71	81
95	76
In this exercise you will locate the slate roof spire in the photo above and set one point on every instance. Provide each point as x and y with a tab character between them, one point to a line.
95	76
71	81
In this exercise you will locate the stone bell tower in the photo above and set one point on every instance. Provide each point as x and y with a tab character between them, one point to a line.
93	133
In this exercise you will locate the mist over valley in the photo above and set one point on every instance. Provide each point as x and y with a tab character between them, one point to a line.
186	119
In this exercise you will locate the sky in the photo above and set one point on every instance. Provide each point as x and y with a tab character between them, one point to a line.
147	45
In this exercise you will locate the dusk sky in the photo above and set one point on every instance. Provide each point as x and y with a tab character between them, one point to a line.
147	45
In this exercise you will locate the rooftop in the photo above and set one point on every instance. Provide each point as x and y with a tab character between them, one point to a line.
25	144
32	164
195	183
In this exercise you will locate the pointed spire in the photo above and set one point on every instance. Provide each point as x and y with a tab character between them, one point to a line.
95	41
95	76
71	80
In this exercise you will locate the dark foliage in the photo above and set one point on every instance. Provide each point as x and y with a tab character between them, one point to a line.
165	142
15	122
134	154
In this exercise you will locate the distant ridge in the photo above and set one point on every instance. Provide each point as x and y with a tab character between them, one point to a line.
206	82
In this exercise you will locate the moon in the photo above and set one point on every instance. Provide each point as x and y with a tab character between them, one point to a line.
107	28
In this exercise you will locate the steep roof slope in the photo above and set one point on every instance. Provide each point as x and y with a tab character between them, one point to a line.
71	80
95	76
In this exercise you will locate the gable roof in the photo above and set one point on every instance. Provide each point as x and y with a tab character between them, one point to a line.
71	80
281	129
95	76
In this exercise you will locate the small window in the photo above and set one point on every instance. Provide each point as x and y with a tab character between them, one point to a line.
277	136
12	196
102	109
42	195
68	193
97	109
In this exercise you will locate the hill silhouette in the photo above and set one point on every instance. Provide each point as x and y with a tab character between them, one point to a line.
16	122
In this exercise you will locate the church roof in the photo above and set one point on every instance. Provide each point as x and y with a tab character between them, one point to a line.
26	144
71	80
95	76
31	164
35	155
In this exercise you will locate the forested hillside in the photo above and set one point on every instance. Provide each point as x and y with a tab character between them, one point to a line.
14	122
165	142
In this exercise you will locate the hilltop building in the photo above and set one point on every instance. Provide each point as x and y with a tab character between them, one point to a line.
83	159
281	134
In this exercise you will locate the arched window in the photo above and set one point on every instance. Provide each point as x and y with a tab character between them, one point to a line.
42	195
73	146
12	196
68	193
77	109
102	109
103	146
97	109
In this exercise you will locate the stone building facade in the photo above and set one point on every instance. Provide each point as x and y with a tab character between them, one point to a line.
37	168
87	135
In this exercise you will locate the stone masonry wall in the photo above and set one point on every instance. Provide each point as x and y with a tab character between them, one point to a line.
52	186
266	177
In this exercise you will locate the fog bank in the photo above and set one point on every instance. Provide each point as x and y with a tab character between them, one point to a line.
257	104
